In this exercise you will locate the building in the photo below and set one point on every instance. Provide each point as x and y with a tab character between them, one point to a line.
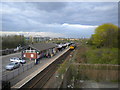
37	38
39	50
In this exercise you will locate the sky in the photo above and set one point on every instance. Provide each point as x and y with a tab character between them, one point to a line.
59	19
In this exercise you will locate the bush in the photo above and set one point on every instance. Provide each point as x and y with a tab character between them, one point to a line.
102	56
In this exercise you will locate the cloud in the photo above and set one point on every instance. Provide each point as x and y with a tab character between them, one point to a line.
78	26
60	30
70	18
26	34
49	6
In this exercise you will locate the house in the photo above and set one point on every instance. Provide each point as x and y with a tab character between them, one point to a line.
39	50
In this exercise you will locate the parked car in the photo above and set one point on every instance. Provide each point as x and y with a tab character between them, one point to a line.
16	59
12	65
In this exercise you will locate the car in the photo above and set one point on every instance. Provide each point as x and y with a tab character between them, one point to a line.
12	65
17	59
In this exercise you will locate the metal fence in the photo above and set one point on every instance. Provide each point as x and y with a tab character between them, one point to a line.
7	51
12	74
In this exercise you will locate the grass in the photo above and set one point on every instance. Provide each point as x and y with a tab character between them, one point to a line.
115	81
67	63
63	68
87	64
102	56
92	55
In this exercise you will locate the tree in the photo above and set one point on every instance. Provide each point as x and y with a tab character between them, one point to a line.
12	41
105	35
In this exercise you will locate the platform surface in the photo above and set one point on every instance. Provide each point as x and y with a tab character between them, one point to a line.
25	77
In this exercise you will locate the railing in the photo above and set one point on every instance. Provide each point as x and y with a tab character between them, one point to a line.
7	51
12	74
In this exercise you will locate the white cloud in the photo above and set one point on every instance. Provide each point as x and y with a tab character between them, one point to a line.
103	8
78	26
58	30
42	34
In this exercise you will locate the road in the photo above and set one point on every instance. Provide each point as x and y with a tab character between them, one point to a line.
6	60
29	74
8	75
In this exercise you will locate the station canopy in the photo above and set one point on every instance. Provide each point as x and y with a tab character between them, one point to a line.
42	46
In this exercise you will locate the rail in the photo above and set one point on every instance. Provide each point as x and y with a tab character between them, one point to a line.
41	79
36	79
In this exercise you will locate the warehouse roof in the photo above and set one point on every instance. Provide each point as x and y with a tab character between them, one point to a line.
42	46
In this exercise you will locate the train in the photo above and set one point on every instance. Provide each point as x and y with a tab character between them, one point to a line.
72	47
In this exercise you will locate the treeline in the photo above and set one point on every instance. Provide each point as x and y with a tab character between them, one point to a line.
105	42
106	35
12	41
102	47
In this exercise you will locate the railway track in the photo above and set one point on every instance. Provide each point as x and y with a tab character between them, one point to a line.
41	79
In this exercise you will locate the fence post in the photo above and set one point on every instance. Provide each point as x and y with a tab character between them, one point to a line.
27	66
31	65
18	71
23	68
6	77
13	74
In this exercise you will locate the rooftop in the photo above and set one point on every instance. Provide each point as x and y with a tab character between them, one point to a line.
42	46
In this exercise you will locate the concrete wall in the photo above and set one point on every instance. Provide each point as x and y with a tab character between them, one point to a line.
109	73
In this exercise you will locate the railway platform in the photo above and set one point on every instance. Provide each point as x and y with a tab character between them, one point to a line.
25	77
